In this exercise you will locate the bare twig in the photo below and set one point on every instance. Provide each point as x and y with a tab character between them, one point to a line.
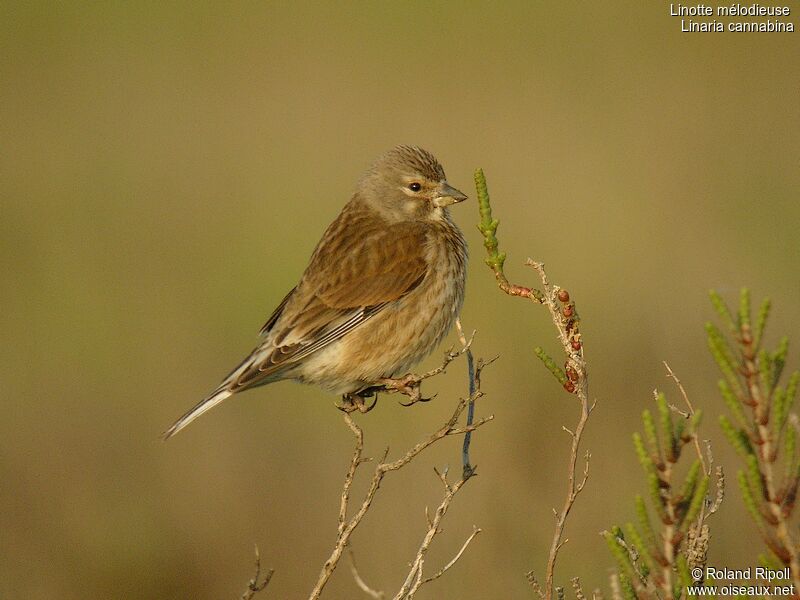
362	585
697	535
348	525
355	461
414	580
254	586
691	413
467	467
576	586
534	583
454	560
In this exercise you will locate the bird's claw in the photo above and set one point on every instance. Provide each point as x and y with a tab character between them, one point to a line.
416	398
357	402
408	386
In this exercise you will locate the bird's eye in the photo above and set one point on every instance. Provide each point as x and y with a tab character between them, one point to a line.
414	187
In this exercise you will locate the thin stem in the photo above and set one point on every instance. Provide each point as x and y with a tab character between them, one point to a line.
468	468
688	403
577	364
347	526
414	580
574	377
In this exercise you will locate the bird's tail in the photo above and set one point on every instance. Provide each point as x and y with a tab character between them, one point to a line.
204	405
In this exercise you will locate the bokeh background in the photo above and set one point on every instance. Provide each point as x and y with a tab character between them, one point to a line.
167	170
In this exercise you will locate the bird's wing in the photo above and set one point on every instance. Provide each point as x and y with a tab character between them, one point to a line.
361	265
273	318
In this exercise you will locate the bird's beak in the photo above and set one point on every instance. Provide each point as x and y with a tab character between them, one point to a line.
448	195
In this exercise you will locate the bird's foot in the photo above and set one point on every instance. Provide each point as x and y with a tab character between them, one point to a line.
356	401
408	385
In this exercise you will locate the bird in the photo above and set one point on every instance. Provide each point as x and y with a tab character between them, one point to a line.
382	288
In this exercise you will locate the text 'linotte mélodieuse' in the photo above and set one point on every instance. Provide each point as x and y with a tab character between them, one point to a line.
773	18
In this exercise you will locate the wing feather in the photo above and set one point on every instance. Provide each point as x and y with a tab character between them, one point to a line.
361	265
273	318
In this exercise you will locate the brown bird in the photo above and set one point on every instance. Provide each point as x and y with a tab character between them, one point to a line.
383	287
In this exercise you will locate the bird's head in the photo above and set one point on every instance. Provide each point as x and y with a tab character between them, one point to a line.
407	182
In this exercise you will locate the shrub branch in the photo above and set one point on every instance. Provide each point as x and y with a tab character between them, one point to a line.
348	523
573	377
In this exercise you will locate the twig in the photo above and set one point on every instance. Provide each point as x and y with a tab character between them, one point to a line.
409	385
576	586
454	560
351	472
467	467
576	366
688	403
347	526
574	377
254	586
534	583
414	580
495	259
362	585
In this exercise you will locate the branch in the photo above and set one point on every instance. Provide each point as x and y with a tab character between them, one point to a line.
496	259
688	415
348	525
409	385
454	560
468	468
563	315
574	376
254	586
414	580
751	377
362	585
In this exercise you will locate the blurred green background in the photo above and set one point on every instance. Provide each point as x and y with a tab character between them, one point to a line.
166	172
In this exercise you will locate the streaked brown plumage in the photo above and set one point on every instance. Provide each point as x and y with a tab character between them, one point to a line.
383	287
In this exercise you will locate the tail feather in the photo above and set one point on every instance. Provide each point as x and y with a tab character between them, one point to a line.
204	405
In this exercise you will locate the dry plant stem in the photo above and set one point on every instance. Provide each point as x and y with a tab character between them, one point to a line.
467	468
688	403
696	548
414	580
254	586
534	583
454	560
347	526
362	585
669	527
575	361
576	586
574	378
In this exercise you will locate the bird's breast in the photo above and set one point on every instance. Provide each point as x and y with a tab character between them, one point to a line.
406	330
418	322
